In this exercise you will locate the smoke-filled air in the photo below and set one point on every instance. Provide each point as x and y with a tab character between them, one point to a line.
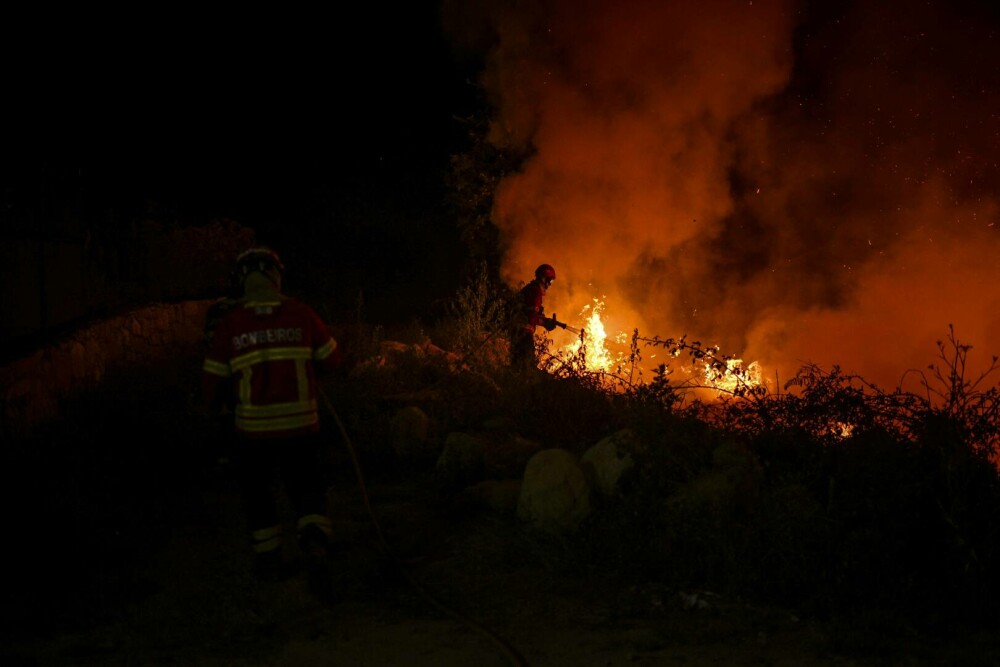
794	183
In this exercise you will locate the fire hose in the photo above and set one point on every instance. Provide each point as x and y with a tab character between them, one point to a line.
563	325
512	653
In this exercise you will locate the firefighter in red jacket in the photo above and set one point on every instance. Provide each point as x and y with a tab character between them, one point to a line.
529	314
266	353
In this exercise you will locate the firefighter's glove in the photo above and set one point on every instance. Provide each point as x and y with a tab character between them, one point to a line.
549	324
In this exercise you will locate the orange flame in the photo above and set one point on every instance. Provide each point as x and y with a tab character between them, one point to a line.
593	340
735	376
594	343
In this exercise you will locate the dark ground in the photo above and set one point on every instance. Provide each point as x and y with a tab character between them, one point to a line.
126	547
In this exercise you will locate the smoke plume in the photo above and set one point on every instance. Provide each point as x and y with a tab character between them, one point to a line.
794	183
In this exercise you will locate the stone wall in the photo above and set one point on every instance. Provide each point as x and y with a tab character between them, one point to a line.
33	387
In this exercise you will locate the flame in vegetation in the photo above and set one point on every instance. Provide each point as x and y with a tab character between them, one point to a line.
842	430
593	341
722	376
733	377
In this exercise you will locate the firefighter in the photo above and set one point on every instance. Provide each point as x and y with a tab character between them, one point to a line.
529	314
267	353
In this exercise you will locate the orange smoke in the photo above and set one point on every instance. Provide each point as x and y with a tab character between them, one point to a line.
788	182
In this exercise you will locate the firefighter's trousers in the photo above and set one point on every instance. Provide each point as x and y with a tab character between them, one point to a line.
265	467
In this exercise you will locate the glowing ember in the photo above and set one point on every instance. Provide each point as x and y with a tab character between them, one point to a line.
736	376
842	430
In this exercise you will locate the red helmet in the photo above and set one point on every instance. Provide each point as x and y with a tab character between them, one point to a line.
260	258
545	271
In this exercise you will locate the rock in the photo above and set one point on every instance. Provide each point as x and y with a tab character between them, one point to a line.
607	461
555	494
410	434
461	460
508	455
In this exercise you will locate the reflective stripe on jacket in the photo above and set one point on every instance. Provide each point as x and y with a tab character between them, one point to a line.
269	352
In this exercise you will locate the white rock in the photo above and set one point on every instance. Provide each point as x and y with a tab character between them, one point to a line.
555	494
607	461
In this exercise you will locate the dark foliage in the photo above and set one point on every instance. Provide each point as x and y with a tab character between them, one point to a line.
834	496
472	182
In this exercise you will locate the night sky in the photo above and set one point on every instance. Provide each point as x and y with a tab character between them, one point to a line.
233	114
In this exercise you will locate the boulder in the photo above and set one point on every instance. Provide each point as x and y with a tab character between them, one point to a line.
555	494
409	433
507	455
606	462
461	460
